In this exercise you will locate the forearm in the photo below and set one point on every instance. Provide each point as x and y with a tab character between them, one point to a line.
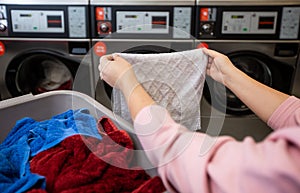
136	96
261	99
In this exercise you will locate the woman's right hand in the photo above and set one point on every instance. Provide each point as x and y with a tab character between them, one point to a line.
117	72
219	66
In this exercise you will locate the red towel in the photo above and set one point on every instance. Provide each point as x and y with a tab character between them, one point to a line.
77	165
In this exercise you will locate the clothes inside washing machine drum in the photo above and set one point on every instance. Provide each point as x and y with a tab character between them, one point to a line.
43	73
256	65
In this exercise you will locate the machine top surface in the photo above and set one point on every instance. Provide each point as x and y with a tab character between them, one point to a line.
45	2
248	2
143	2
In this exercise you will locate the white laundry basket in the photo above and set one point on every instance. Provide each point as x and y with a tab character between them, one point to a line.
44	106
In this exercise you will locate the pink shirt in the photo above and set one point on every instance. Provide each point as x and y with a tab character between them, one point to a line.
194	162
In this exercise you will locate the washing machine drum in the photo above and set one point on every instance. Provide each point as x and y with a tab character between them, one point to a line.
254	65
38	73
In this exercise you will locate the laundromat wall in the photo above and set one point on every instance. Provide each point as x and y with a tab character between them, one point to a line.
260	37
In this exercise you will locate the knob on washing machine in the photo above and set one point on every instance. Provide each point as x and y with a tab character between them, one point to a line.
207	28
104	28
2	27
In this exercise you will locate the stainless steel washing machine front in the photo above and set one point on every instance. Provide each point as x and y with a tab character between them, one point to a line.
261	39
44	47
138	27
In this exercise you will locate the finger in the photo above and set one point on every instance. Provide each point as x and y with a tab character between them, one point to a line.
110	57
120	59
210	60
208	72
106	58
208	65
210	53
103	61
117	57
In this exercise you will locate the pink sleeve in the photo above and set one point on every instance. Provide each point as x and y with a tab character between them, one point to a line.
286	115
194	162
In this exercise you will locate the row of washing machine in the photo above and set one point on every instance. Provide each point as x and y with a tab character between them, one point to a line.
57	45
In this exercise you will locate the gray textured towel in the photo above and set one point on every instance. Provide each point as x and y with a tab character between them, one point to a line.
174	80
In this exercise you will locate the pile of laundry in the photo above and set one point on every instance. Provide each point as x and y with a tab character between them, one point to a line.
71	152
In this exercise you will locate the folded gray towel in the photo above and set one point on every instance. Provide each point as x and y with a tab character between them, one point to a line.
174	80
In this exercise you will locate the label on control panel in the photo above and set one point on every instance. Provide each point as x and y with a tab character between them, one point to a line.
249	22
289	28
77	21
182	22
208	14
138	22
103	13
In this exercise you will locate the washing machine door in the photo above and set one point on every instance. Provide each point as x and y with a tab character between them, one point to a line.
145	49
39	71
256	65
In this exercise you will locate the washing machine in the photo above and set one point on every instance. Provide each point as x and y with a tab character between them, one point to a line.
44	46
262	39
138	27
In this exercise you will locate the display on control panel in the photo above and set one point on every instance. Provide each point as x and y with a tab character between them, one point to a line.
142	22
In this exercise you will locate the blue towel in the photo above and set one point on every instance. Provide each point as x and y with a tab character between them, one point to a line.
29	137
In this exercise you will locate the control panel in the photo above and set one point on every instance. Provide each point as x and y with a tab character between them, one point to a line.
274	22
43	21
168	21
30	21
249	22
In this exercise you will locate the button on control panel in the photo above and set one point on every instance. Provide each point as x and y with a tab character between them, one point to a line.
3	21
290	23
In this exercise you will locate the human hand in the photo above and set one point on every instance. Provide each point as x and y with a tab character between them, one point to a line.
219	66
117	72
